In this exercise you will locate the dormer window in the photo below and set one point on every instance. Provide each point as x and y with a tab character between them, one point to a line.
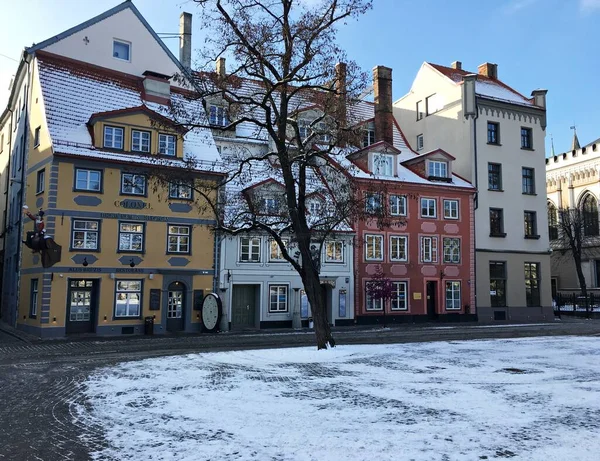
113	137
321	129
315	207
270	205
368	135
218	116
140	141
122	50
383	164
438	169
166	144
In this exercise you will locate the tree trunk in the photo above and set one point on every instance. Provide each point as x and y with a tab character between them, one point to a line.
582	285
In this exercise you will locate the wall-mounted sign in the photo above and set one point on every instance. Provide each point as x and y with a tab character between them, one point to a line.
132	204
154	299
342	311
416	295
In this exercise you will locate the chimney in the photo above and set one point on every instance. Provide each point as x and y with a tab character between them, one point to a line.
185	40
384	118
539	99
340	90
456	65
488	69
157	87
221	71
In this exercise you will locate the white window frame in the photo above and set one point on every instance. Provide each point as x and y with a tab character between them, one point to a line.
143	137
429	249
34	296
373	202
132	309
450	257
130	181
179	191
368	136
337	248
122	42
383	164
113	130
428	207
40	184
398	205
277	307
88	180
374	245
181	236
452	287
372	304
275	253
437	168
399	287
81	226
217	115
451	208
131	233
270	205
420	142
167	143
250	243
395	245
315	206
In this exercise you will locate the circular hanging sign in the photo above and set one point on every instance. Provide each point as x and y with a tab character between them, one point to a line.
211	311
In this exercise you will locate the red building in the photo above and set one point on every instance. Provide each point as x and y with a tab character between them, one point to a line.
426	247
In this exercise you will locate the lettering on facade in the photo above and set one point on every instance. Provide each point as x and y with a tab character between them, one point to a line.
132	204
139	217
129	271
85	269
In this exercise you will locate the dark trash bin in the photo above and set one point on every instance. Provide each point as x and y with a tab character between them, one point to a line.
149	326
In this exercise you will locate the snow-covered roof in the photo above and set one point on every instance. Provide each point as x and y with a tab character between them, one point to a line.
73	92
486	87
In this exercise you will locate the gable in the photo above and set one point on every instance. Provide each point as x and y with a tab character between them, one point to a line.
92	42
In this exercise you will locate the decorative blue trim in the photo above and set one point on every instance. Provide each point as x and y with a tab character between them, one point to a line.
39	202
127	217
86	200
78	259
39	165
177	261
126	260
180	207
116	270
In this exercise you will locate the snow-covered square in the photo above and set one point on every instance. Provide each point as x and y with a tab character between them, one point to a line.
521	399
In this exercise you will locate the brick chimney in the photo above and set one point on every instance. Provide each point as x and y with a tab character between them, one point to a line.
384	118
185	40
340	89
456	65
221	70
488	69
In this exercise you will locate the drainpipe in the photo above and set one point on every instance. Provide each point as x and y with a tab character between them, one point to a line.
7	222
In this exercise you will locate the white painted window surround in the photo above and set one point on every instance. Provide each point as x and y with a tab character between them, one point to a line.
121	50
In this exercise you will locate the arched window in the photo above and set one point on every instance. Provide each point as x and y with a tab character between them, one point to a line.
552	221
589	208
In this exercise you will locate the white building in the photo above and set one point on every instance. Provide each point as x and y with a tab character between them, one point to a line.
497	136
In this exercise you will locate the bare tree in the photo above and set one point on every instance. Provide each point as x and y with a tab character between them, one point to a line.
380	287
291	85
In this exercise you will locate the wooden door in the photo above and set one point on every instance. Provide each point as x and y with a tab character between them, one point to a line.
243	306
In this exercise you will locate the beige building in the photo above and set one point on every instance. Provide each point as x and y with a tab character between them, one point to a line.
572	181
497	136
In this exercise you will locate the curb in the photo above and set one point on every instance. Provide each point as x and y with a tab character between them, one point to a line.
4	328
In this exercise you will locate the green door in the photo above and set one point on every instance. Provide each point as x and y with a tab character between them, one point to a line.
243	306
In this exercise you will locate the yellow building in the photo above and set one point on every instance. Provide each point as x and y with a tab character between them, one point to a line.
96	132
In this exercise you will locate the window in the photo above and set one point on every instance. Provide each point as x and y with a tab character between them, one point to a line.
432	104
36	137
438	169
589	208
398	205
526	138
278	298
315	207
167	144
270	205
33	298
528	180
450	209
368	135
131	236
498	283
88	180
133	184
428	249
180	191
420	142
383	164
275	253
552	222
218	116
334	252
452	250
399	298
530	220
372	303
128	298
398	248
532	284
374	247
428	208
121	50
497	222
178	239
85	235
373	203
249	250
140	141
494	176
493	133
452	296
113	137
41	180
419	110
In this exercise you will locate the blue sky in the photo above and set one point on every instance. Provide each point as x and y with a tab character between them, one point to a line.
548	44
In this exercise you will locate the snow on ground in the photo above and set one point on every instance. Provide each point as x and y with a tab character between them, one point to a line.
523	399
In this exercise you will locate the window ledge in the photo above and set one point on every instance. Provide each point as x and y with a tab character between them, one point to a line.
86	250
36	146
527	193
38	193
528	148
494	144
495	190
500	235
532	237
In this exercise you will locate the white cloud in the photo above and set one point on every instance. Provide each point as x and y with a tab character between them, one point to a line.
589	5
515	6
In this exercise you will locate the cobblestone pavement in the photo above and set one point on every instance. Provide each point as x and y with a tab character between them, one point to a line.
42	383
